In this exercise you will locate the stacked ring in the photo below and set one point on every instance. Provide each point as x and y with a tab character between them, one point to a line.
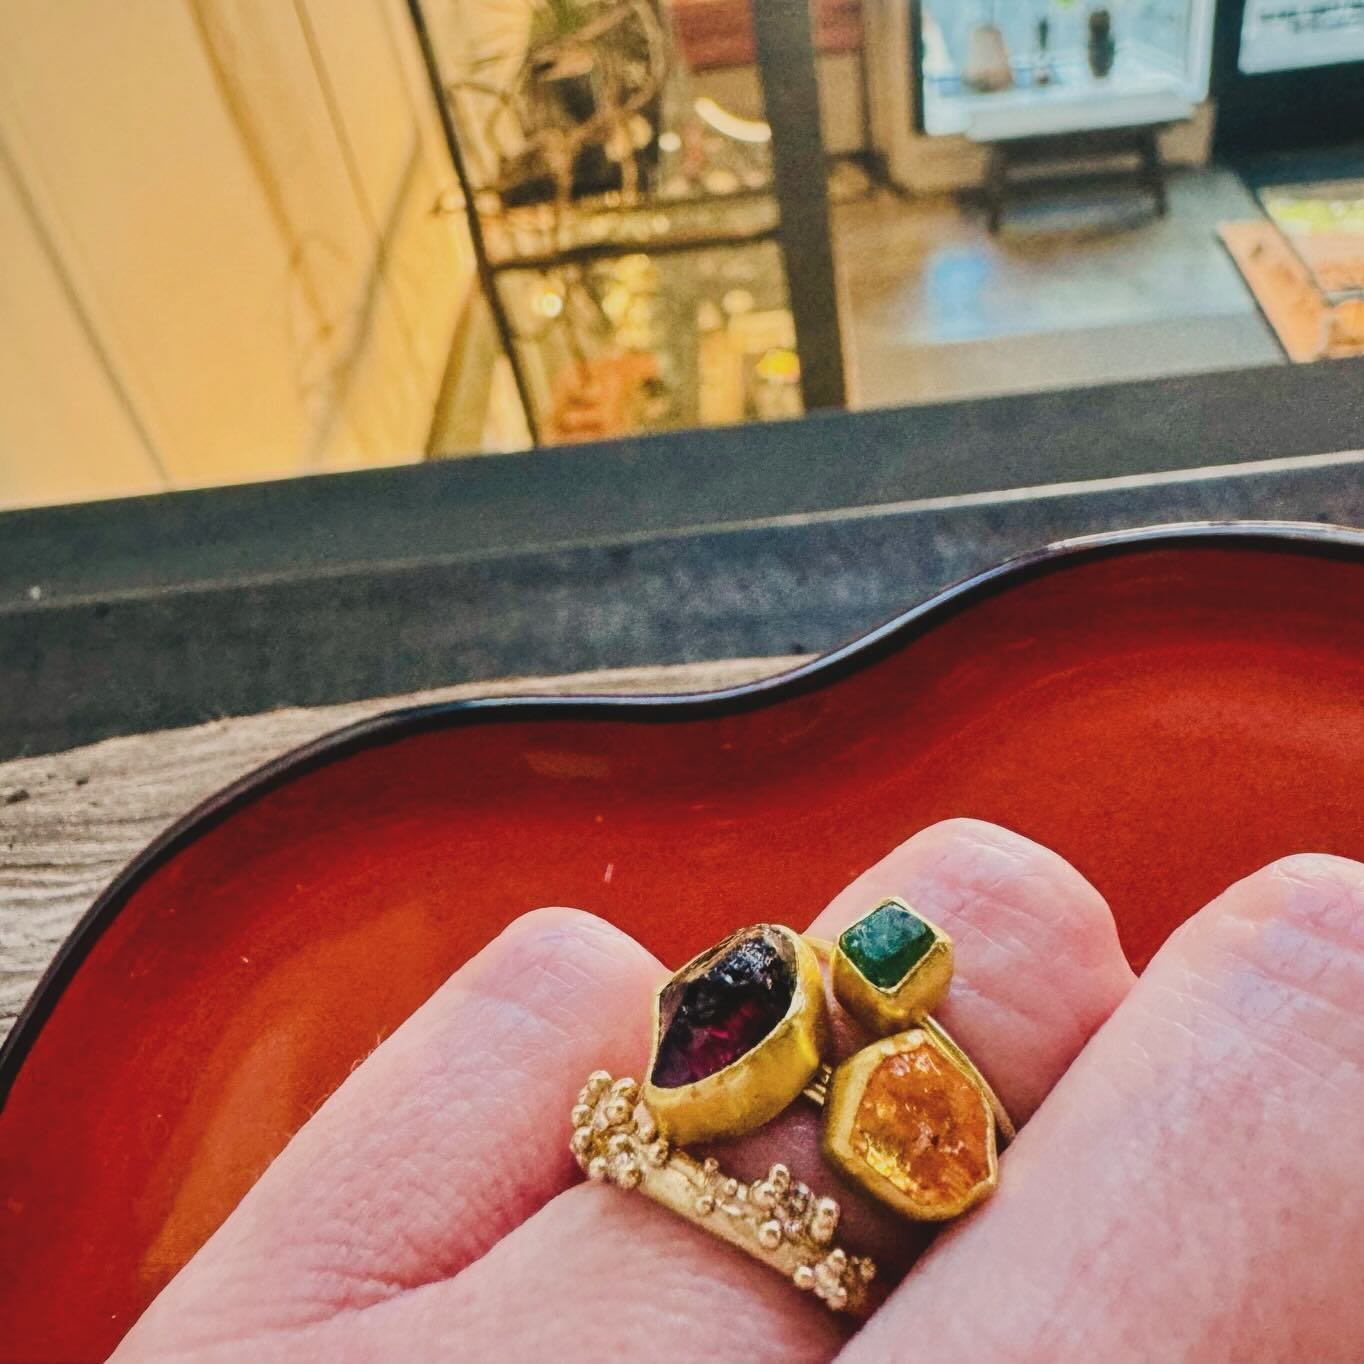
741	1032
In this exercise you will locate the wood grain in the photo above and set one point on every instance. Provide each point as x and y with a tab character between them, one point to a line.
70	821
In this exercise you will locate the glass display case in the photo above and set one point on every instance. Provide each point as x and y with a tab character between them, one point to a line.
628	225
995	69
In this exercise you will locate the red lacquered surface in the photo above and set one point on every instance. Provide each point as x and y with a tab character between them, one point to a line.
1168	716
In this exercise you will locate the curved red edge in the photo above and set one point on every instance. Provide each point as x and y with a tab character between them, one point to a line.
863	650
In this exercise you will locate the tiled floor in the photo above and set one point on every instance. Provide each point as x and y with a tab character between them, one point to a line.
1075	292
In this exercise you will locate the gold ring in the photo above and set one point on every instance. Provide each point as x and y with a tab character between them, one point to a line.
741	1031
776	1219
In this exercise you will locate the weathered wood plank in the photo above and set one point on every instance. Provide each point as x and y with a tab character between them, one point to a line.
70	821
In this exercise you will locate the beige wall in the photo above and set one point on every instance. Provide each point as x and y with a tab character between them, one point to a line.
220	252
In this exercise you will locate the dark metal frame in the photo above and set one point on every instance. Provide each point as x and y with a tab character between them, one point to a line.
916	65
668	484
485	273
784	35
1279	110
664	246
1330	541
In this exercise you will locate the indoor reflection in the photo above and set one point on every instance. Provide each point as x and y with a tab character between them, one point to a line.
248	240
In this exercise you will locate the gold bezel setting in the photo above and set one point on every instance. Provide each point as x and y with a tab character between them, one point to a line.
758	1085
738	1033
846	1090
891	1009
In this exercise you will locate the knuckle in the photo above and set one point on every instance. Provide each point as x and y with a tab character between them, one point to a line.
548	961
961	832
1319	892
985	863
559	945
1298	925
552	923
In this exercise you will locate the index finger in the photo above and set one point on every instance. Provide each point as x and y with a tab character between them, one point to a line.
446	1137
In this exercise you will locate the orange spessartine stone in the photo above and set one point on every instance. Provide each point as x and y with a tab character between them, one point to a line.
924	1126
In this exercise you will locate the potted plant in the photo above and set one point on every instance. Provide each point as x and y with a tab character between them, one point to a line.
588	94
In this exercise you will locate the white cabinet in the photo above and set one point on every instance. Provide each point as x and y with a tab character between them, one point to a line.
999	69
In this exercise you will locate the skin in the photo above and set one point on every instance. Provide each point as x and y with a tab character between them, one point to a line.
1188	1183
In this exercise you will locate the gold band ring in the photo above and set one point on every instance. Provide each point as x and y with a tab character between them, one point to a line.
741	1031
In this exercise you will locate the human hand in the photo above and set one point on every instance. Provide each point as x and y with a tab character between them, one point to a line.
1189	1183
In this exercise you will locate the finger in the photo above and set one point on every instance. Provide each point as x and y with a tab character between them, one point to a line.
1191	1189
1038	962
1038	967
442	1140
658	1278
686	1301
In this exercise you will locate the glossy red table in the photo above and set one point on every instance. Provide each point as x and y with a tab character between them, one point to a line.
1169	710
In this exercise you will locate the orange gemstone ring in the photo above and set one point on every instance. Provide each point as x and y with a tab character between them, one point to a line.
741	1031
909	1118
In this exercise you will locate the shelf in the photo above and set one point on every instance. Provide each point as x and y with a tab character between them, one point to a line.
1136	94
657	341
539	237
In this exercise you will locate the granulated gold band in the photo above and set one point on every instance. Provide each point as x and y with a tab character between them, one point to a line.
776	1219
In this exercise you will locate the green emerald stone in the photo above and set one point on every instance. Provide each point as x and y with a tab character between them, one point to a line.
887	944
